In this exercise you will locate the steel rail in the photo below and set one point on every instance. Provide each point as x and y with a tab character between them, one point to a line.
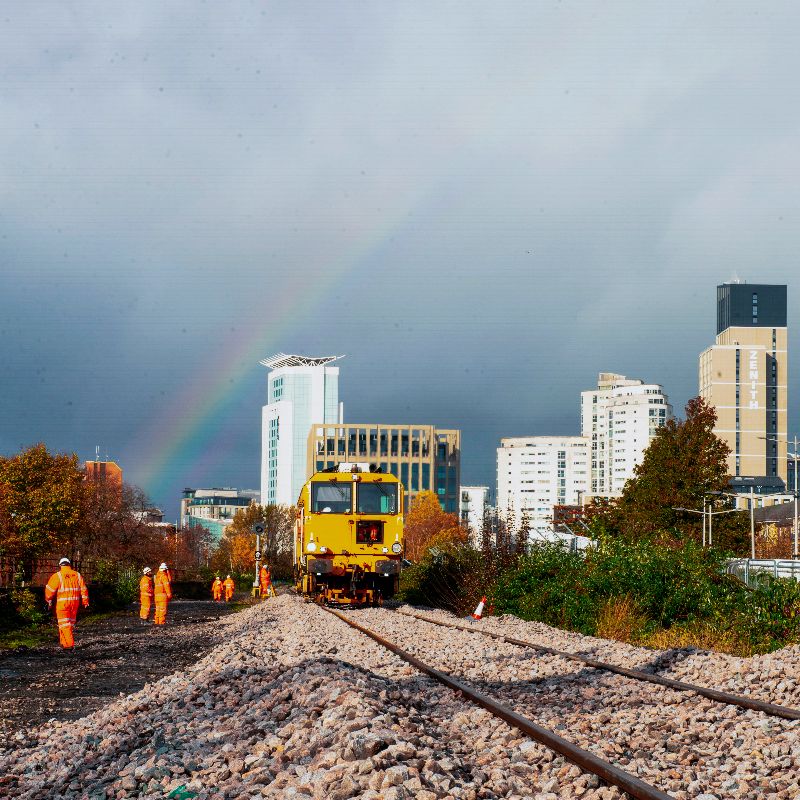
749	703
582	758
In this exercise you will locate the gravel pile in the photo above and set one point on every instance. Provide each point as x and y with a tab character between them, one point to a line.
774	678
292	703
683	744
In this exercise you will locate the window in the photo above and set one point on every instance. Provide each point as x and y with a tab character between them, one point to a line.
369	531
331	498
376	498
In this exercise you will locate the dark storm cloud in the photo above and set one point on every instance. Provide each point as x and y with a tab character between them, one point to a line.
506	199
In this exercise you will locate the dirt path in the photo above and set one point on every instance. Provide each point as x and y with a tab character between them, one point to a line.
113	656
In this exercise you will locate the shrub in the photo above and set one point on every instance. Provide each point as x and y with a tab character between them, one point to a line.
28	606
450	576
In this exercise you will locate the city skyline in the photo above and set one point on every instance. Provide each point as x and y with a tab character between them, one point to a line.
482	208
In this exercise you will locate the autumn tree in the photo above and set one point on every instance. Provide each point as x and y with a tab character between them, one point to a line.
42	501
427	524
684	462
237	547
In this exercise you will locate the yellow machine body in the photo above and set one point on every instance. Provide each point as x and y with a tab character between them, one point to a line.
348	547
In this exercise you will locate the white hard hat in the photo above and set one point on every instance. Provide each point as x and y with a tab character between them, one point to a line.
64	561
163	567
146	570
229	576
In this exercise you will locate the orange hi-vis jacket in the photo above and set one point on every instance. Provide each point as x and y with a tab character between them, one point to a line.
264	578
69	589
163	594
145	595
216	589
229	587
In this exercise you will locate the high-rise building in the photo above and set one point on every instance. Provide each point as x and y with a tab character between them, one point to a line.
421	456
744	376
301	390
620	418
537	473
474	505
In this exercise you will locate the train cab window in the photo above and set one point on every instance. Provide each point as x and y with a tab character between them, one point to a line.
331	498
369	531
377	498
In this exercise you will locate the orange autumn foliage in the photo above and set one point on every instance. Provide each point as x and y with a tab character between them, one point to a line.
428	526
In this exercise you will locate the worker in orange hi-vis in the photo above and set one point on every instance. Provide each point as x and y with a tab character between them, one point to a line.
69	590
216	589
145	593
229	586
265	580
163	592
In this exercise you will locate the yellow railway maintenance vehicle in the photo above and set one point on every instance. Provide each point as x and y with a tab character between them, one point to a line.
348	546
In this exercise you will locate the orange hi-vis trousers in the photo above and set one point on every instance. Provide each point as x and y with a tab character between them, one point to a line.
68	588
145	596
229	587
163	595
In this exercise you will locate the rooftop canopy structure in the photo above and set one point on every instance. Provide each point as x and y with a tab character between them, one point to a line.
282	360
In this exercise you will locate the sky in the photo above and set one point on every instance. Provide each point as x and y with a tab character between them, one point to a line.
482	205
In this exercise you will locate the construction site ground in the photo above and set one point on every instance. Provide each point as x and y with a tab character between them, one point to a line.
116	654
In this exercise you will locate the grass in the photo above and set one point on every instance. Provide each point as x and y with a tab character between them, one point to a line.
620	618
33	636
701	635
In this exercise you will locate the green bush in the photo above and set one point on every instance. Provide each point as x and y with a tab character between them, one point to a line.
126	586
667	587
28	606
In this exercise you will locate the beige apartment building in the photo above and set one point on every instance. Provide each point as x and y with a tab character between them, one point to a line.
422	457
744	376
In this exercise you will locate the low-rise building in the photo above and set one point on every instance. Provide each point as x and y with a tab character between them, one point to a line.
421	456
214	509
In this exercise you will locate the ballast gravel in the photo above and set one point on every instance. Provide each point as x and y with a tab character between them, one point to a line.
291	703
682	743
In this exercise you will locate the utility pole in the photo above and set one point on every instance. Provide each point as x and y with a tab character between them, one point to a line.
258	529
752	524
795	552
704	520
710	522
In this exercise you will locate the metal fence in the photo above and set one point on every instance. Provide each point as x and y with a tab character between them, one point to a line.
752	571
569	541
37	573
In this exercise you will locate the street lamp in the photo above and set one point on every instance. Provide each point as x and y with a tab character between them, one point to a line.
710	517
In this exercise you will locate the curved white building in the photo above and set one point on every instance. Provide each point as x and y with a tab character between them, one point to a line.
620	418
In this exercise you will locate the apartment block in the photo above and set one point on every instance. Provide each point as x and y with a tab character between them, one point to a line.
620	419
536	473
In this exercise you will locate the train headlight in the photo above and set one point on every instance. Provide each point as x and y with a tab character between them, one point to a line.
311	546
397	548
323	549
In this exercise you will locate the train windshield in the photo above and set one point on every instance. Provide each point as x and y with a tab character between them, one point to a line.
331	498
377	498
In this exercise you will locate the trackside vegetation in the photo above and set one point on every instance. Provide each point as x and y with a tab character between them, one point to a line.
647	579
646	593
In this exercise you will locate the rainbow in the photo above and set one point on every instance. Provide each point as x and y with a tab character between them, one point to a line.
192	429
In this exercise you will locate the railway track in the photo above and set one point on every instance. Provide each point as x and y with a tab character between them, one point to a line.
511	703
750	703
587	761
